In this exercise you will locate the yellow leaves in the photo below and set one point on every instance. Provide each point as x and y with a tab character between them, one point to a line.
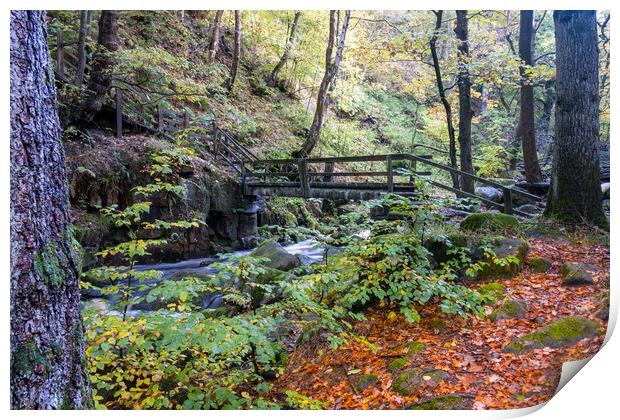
392	316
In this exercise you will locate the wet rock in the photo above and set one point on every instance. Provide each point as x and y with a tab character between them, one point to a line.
577	274
561	333
490	193
508	309
277	257
407	382
364	381
539	264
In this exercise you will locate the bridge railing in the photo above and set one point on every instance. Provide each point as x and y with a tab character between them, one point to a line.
307	174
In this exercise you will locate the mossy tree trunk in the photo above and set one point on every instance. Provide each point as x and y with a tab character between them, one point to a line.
236	52
575	192
48	366
528	134
465	110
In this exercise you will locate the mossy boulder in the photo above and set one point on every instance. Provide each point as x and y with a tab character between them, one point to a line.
407	382
561	333
489	222
492	292
499	266
398	364
410	349
539	264
577	274
277	257
508	309
439	245
443	402
364	381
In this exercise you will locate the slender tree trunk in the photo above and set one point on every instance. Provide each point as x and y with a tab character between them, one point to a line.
273	78
442	96
79	78
528	137
465	111
544	122
236	52
48	366
215	35
102	66
327	84
575	192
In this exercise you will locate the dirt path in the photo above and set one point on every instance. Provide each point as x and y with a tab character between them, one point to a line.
469	351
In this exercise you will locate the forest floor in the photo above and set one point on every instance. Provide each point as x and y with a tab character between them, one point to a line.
469	351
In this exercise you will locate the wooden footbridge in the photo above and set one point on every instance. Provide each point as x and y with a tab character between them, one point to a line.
346	177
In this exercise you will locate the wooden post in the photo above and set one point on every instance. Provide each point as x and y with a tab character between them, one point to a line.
160	118
329	168
60	56
507	201
302	168
390	174
119	113
185	120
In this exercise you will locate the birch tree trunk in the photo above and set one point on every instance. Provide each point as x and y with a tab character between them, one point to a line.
215	35
575	192
48	366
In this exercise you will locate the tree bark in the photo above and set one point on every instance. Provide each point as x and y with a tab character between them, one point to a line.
575	191
84	19
528	137
273	78
442	96
102	66
465	110
544	122
236	52
327	84
48	366
215	35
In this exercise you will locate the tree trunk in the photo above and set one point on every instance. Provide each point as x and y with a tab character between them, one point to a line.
48	366
273	78
102	66
236	52
528	137
442	96
79	77
465	111
544	142
215	35
575	191
328	82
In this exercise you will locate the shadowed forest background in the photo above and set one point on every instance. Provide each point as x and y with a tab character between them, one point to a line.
306	209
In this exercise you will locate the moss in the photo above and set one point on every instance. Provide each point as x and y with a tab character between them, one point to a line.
509	308
364	381
492	292
444	402
27	357
539	264
401	384
576	273
563	332
47	265
412	379
413	348
398	364
489	222
497	266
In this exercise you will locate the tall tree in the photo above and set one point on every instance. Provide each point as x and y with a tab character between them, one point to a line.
329	77
442	95
215	34
236	52
273	77
526	117
465	110
102	66
575	191
48	366
83	34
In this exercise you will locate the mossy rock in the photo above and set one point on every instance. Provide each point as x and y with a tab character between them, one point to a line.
577	274
439	246
508	309
503	248
489	222
364	381
277	257
412	348
492	292
539	264
444	402
181	274
561	333
407	382
398	364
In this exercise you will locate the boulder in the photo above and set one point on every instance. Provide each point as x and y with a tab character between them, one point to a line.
410	349
364	381
577	274
407	382
443	402
498	266
277	257
508	309
539	264
439	245
489	222
561	333
529	209
398	364
490	193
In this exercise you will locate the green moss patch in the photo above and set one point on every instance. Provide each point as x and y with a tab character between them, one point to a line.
510	253
364	381
489	222
539	264
492	292
444	402
410	349
509	308
407	382
561	333
398	364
